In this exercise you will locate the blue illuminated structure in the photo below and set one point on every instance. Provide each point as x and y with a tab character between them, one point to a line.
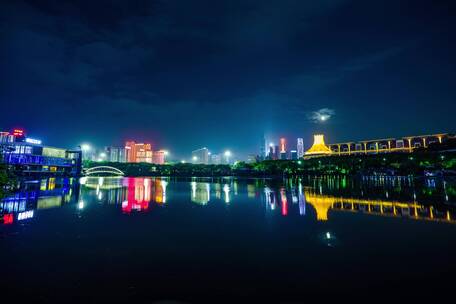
26	156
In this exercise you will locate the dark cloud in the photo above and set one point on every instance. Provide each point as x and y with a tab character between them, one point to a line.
191	73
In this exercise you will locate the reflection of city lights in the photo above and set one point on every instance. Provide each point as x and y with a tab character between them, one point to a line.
283	198
193	189
81	205
226	189
328	235
163	185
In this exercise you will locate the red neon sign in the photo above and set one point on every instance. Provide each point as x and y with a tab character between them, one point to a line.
8	218
18	132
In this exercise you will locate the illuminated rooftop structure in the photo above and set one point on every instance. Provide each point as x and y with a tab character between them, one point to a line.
319	147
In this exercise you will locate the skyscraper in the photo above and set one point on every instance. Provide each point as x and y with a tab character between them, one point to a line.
263	148
138	152
159	157
116	154
283	145
271	151
293	155
300	147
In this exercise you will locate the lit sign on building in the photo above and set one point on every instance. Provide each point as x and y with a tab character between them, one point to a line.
18	132
33	141
8	219
25	215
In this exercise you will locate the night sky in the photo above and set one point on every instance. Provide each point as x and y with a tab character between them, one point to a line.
188	74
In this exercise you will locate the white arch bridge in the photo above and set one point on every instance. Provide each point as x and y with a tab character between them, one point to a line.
103	171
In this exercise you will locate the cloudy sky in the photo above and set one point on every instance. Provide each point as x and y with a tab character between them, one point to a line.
187	74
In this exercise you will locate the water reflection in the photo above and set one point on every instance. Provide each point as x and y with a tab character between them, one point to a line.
37	195
311	198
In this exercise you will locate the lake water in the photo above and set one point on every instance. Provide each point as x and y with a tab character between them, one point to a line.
126	239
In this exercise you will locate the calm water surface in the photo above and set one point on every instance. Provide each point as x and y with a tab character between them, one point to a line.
126	239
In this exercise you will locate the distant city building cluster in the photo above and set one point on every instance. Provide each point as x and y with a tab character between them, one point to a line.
204	156
132	152
282	151
32	156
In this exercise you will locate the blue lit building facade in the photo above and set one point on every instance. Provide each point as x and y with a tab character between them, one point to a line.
27	156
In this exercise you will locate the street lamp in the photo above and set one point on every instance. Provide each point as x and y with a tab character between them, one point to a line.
102	156
85	150
227	156
85	147
195	159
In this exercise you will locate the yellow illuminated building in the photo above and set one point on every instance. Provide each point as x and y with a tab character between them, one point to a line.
319	147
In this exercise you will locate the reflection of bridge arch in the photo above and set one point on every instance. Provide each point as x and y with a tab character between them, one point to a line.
103	170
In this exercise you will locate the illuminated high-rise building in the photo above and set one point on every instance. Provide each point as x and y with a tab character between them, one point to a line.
300	147
271	151
115	154
293	155
283	145
200	156
138	152
263	147
216	159
276	153
159	157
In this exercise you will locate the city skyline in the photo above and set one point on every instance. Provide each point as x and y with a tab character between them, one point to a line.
189	75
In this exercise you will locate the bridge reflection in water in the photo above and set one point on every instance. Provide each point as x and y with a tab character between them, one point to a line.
432	200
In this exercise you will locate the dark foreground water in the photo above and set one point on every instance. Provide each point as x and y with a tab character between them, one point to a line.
145	239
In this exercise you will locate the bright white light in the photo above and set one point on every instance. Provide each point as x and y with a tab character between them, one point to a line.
33	141
227	153
166	152
226	189
328	235
25	215
183	161
102	155
81	205
195	158
85	147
